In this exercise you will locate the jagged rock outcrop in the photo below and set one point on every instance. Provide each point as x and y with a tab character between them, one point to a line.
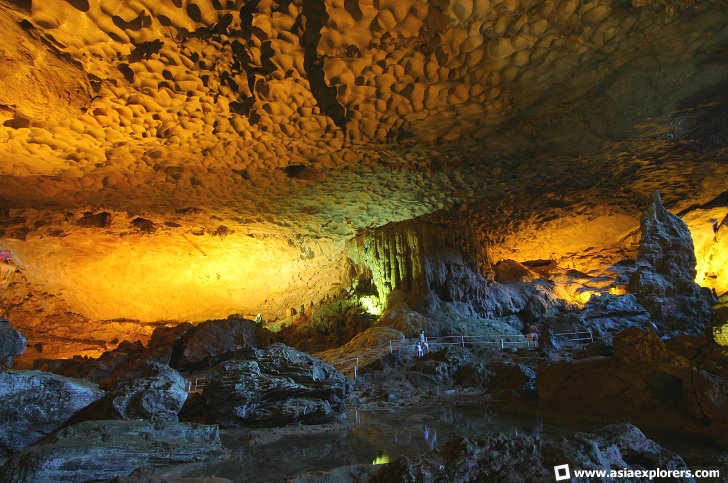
637	346
33	404
720	321
12	344
212	341
443	363
420	258
101	450
165	340
664	278
506	271
183	346
104	370
609	314
505	457
157	394
643	380
604	315
508	378
423	267
274	386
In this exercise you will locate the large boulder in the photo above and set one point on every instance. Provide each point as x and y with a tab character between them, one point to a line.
664	274
274	386
512	376
212	342
103	370
443	363
183	347
165	340
33	404
706	398
158	394
609	314
637	346
101	450
12	344
502	377
509	458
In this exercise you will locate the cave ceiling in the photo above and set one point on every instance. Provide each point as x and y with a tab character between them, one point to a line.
315	120
327	117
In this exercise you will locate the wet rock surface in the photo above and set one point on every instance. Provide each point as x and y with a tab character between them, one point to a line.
12	344
509	458
274	386
33	404
531	458
100	450
158	394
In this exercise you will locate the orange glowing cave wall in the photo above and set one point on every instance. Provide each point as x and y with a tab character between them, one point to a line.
179	277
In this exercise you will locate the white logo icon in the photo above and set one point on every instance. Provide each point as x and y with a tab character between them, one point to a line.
562	472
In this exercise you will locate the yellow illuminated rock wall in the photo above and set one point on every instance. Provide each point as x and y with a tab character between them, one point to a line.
179	276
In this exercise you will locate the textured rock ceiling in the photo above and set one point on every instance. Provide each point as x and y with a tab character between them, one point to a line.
237	144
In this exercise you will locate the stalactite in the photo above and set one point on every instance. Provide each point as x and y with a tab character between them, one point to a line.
418	257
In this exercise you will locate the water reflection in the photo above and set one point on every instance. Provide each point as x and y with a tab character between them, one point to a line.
430	437
382	458
375	437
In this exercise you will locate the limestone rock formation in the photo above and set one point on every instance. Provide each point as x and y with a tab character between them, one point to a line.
157	394
12	343
637	346
210	342
609	314
664	279
720	321
104	370
643	380
102	450
425	268
505	457
273	386
506	378
33	404
165	340
182	346
443	363
229	151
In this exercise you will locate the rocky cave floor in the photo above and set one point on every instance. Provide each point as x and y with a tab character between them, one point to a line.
282	412
231	400
273	404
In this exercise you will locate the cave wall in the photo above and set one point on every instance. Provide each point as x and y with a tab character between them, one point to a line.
299	125
144	269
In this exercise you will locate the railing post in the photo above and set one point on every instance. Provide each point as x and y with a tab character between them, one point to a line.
591	336
462	339
390	347
356	366
501	343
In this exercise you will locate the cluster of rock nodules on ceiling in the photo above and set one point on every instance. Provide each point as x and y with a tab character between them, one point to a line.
248	104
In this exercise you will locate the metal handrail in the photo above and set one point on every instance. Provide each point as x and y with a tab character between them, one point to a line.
375	352
588	336
197	385
368	355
